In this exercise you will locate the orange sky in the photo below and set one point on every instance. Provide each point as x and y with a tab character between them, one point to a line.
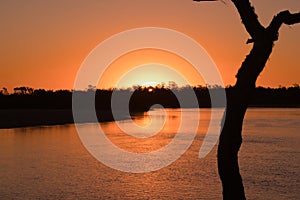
153	62
43	43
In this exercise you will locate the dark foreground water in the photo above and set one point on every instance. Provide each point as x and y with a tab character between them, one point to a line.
51	162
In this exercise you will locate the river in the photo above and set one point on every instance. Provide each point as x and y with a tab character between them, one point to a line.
50	162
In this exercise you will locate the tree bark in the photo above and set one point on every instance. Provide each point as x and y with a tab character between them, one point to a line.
231	133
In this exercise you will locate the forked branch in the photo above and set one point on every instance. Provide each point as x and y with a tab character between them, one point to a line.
249	18
284	17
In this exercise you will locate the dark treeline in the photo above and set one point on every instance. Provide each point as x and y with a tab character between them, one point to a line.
142	98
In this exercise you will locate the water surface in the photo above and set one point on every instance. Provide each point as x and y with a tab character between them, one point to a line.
51	163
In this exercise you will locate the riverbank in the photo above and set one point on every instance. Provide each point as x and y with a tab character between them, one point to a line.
16	118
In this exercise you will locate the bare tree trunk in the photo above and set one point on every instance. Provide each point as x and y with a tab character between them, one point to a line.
231	134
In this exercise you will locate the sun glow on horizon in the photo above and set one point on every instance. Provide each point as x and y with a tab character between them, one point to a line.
151	74
150	84
149	67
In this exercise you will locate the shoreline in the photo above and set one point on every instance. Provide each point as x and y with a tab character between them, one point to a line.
20	118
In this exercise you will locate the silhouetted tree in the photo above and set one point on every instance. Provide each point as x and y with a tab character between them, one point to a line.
173	85
23	90
263	39
91	88
296	85
5	91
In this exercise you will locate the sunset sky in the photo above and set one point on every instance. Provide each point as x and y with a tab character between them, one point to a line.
43	43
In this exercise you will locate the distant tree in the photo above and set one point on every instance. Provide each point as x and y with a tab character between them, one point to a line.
173	85
39	92
296	85
17	90
91	88
29	90
4	91
162	85
263	39
23	90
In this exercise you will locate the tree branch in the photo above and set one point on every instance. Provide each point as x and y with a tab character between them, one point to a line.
249	18
284	17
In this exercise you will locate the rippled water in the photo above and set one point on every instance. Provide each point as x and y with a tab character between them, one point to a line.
51	162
